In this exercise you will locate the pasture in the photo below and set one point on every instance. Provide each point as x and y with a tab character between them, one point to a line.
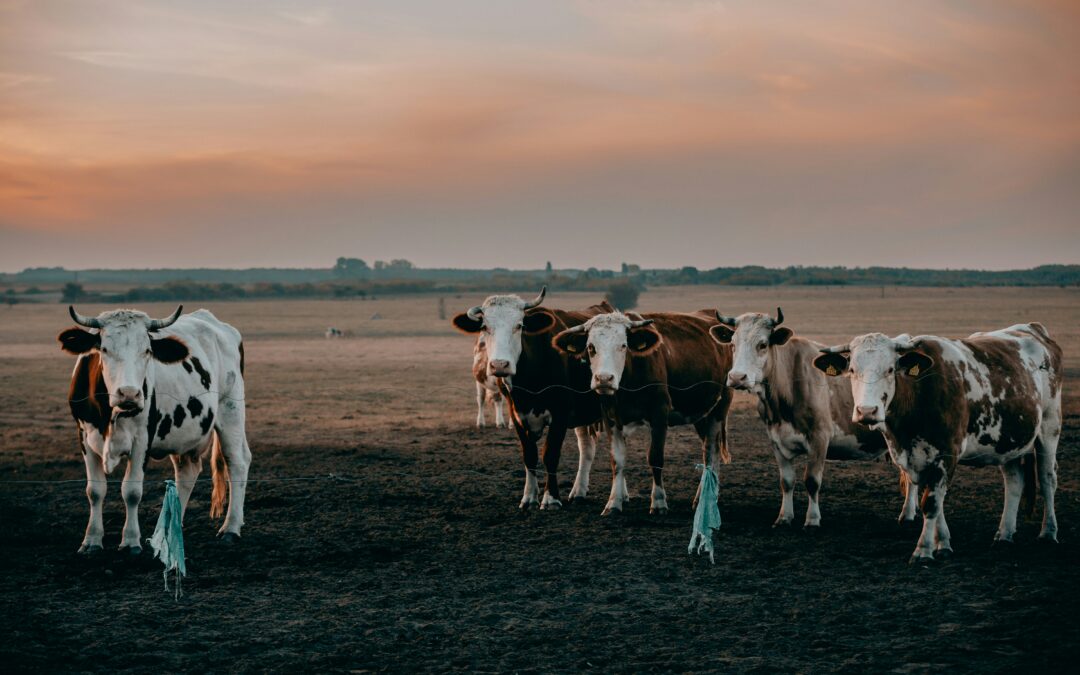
416	556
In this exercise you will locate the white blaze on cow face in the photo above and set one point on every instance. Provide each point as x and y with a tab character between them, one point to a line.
606	339
752	338
502	320
872	361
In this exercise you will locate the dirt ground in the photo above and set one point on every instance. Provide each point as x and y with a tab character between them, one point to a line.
415	557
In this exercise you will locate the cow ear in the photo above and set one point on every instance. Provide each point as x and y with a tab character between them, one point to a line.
538	321
78	341
914	362
832	363
780	336
643	341
465	324
722	333
168	349
571	342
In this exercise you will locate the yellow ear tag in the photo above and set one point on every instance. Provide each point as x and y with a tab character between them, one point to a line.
831	370
914	371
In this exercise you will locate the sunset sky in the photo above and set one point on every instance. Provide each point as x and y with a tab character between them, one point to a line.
505	133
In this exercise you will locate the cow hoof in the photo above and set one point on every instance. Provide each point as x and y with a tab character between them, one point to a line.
658	511
943	554
229	537
921	560
811	529
782	522
1047	539
551	505
612	511
1003	543
528	505
132	550
92	549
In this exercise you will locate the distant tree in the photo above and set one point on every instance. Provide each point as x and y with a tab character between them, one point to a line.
380	265
689	275
400	264
351	268
623	294
548	268
625	269
72	292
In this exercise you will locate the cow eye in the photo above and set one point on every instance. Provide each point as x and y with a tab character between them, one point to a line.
890	371
518	327
104	351
592	350
761	346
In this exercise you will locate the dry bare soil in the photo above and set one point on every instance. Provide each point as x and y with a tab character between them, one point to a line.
417	558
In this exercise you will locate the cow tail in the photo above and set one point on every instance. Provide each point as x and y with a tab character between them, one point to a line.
220	472
1027	465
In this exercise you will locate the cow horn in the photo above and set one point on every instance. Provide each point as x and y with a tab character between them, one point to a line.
838	349
779	317
580	328
475	313
726	320
87	321
639	324
158	324
538	300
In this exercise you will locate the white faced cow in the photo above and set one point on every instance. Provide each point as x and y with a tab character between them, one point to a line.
805	412
991	398
487	387
146	388
658	371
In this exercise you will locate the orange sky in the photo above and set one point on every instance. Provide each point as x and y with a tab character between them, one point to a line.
511	132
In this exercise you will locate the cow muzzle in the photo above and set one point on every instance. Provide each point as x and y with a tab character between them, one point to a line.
500	368
127	399
739	381
868	415
604	384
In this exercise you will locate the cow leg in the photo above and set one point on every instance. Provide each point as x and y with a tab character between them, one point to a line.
529	457
619	496
586	442
96	487
712	433
658	501
552	451
1046	467
186	469
911	501
237	454
787	487
132	490
481	399
934	486
1013	474
943	547
500	410
815	469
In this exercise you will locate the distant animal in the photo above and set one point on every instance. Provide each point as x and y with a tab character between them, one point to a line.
805	412
487	388
544	389
158	388
988	399
332	332
656	370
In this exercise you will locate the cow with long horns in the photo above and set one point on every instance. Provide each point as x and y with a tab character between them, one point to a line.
657	371
544	388
148	388
988	399
805	412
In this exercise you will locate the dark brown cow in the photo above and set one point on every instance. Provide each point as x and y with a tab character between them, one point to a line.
545	389
992	398
658	371
804	411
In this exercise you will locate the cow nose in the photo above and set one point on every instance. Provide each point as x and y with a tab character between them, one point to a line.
604	378
128	398
499	366
736	380
866	410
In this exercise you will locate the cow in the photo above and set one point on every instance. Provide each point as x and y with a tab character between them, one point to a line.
333	332
655	370
989	399
804	411
543	388
487	388
154	388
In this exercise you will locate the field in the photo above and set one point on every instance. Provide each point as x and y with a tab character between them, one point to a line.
414	555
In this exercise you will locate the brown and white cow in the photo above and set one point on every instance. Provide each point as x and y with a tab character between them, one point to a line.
147	388
657	371
545	389
805	412
989	399
487	388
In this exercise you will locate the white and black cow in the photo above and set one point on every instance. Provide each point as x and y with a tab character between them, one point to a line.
991	398
487	388
654	370
804	411
147	388
544	389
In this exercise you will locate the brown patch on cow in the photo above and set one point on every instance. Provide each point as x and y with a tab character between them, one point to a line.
88	396
78	341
